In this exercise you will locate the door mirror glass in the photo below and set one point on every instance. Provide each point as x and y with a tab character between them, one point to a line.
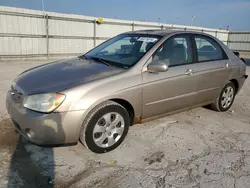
158	66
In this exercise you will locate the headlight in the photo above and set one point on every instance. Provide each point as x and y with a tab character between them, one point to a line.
46	102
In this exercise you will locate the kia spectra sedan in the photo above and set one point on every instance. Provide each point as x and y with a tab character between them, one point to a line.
131	78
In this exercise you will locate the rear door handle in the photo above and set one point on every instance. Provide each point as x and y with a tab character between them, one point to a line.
189	72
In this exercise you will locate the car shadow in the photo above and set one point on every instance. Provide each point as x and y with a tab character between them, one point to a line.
31	165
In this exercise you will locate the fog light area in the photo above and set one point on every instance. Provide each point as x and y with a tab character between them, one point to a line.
30	133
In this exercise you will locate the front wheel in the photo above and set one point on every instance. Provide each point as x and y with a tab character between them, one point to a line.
105	127
225	99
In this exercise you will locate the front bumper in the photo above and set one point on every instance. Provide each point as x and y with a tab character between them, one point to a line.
45	129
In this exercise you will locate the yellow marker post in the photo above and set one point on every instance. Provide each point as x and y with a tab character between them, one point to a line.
99	20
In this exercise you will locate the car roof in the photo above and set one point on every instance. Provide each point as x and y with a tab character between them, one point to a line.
163	32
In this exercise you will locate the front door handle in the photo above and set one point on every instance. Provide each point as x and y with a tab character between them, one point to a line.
189	72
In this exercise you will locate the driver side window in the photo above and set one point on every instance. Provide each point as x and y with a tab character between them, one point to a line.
175	51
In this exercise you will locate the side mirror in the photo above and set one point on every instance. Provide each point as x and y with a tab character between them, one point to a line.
158	66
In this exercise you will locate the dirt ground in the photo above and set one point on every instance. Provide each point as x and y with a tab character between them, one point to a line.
198	148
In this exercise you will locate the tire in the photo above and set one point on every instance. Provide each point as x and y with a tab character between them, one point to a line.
220	100
108	120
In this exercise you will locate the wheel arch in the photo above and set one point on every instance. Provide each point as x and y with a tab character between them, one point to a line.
236	84
127	106
123	102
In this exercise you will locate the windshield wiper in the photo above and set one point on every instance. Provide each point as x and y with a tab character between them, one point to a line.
83	57
104	61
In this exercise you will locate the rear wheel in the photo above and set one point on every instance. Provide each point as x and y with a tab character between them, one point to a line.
225	99
105	127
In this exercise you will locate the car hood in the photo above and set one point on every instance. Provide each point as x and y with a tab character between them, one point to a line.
53	77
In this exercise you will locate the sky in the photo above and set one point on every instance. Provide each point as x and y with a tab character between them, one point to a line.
207	13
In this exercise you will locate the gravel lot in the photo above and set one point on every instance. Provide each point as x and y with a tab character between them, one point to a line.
197	148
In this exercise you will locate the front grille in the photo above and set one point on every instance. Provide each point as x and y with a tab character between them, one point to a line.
16	93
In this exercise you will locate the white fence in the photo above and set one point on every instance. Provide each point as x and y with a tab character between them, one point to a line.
239	41
31	34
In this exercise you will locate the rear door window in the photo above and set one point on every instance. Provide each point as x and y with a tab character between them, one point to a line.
208	49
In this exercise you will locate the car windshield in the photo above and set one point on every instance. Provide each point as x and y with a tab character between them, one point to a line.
123	50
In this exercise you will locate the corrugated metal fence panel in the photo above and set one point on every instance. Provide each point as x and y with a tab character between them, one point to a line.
210	33
21	35
110	30
33	46
239	36
146	27
237	46
22	46
22	25
25	32
239	41
70	28
222	36
70	46
10	45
